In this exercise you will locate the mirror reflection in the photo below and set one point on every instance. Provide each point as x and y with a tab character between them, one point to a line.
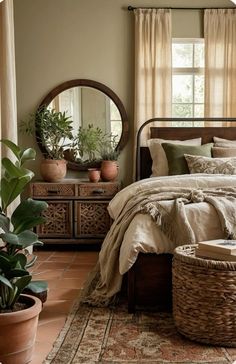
97	119
88	106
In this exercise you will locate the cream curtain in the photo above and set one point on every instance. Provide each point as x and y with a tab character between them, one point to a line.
7	72
220	62
8	112
152	65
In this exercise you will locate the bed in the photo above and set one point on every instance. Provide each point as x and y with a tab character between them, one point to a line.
154	215
149	279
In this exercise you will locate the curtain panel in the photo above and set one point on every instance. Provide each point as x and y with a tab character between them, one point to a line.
220	62
8	111
153	66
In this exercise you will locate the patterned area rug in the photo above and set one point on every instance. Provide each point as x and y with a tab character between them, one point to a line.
111	335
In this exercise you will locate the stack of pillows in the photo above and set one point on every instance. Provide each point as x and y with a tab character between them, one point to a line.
173	157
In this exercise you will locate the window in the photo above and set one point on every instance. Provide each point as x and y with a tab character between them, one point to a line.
187	79
114	119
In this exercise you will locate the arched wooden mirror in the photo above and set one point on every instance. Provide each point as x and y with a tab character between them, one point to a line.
89	102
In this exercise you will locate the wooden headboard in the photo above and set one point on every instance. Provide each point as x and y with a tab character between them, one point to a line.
143	157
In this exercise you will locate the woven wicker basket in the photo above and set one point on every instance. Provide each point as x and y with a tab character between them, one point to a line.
204	297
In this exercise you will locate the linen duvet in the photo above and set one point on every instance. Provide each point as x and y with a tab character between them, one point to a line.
157	214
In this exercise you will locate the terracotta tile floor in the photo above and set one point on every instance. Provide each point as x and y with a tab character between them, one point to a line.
65	272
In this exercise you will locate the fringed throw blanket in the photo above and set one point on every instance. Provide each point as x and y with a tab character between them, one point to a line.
166	206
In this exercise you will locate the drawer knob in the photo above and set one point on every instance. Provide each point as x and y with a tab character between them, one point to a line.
98	191
53	192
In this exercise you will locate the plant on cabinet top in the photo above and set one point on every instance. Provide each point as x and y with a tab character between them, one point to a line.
53	131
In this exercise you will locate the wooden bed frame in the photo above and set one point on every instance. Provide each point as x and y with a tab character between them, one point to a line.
150	278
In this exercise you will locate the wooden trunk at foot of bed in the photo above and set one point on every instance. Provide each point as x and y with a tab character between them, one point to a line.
150	281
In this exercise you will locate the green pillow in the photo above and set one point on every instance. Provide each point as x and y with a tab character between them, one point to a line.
175	155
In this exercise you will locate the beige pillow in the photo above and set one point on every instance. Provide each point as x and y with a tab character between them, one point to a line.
218	152
224	143
198	164
159	159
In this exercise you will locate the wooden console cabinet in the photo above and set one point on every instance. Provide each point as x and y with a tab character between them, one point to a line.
77	210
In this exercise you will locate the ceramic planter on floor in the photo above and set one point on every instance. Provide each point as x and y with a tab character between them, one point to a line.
53	170
18	332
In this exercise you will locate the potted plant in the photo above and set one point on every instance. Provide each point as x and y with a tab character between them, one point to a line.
109	154
53	131
18	313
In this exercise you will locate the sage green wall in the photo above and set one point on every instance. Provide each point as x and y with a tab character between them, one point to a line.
60	40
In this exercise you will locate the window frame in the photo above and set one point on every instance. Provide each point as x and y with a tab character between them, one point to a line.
190	71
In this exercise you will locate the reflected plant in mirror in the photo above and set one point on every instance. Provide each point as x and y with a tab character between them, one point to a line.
88	141
108	147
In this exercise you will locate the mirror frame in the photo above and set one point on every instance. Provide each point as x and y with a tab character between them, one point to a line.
107	91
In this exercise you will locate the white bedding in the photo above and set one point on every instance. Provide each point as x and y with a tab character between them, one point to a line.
143	235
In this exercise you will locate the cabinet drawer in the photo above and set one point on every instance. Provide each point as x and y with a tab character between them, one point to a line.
98	189
58	220
53	189
91	219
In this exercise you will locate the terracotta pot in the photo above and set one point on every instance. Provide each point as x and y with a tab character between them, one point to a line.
18	331
109	170
53	170
94	174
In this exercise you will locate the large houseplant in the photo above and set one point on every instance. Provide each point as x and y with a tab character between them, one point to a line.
18	313
53	130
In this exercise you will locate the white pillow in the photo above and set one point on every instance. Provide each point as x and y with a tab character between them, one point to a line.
224	143
159	160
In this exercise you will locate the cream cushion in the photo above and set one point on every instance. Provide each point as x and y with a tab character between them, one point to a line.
159	159
220	152
199	164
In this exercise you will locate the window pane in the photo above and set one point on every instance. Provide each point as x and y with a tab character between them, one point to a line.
182	123
199	89
199	55
199	111
182	86
116	129
182	55
182	111
114	112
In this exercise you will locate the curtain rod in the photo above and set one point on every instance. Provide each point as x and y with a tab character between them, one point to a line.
131	8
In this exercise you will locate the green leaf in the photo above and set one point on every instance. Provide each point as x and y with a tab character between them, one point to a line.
19	286
28	215
4	222
5	281
5	263
20	260
22	282
12	146
17	273
27	155
11	168
11	189
22	240
10	238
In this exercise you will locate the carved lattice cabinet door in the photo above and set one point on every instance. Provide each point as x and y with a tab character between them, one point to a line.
92	218
58	220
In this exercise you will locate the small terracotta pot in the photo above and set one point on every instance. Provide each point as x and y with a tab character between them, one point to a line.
53	170
94	174
109	170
